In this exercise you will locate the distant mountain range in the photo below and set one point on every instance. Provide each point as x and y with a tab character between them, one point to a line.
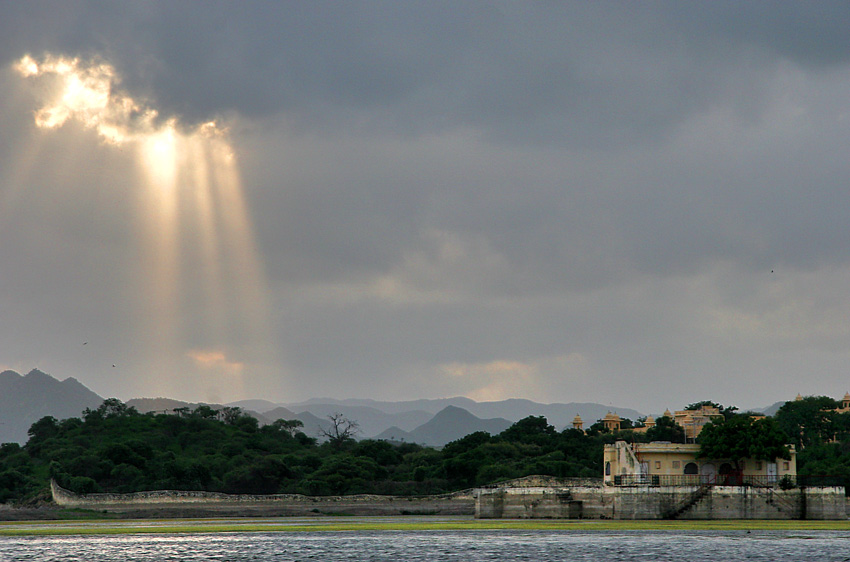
26	399
559	415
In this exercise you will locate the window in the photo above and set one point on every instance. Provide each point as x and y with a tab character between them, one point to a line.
691	468
758	465
657	465
786	465
676	464
607	469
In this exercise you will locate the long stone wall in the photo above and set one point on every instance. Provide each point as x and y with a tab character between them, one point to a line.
195	502
562	499
528	498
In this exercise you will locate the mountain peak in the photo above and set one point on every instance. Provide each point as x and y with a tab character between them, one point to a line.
452	411
454	422
24	400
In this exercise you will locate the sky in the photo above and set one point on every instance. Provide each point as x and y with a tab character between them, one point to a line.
641	204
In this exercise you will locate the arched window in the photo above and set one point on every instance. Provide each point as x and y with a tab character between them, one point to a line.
691	468
608	468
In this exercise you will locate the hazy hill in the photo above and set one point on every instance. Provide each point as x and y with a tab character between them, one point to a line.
158	405
168	405
372	421
256	405
279	413
395	435
431	406
558	414
313	425
447	425
772	409
26	399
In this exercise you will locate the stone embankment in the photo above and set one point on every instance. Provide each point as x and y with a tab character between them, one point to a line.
196	504
543	497
535	497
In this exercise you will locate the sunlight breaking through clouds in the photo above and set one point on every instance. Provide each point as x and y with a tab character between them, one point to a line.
195	230
86	92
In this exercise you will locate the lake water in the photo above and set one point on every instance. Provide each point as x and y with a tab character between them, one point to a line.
403	546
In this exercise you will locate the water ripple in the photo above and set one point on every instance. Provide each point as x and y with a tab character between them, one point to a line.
436	546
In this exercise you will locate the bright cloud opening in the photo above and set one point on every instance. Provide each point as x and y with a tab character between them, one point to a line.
195	231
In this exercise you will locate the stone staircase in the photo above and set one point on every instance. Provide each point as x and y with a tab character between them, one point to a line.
688	502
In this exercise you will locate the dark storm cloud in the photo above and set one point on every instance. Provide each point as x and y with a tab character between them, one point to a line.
593	192
576	73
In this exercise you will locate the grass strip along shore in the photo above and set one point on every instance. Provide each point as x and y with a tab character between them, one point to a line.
354	524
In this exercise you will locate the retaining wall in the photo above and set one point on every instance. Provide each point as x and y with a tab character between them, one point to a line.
532	502
193	502
659	502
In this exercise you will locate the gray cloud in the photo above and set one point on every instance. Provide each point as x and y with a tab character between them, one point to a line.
575	201
573	73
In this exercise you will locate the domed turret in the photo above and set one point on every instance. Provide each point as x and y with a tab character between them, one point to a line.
611	422
578	423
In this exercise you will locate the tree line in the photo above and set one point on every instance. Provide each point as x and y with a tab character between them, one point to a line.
115	448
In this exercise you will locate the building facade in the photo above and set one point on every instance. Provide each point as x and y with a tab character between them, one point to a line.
674	464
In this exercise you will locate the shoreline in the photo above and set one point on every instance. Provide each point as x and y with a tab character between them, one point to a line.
66	527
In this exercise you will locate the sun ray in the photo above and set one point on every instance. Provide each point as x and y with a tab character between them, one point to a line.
196	238
205	219
160	259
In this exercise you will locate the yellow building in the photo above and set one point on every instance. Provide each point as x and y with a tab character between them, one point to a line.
648	423
611	422
692	421
674	464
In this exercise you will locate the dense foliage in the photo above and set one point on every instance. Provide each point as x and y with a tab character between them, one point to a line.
743	437
822	437
115	448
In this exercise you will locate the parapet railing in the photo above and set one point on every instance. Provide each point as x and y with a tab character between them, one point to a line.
543	480
708	480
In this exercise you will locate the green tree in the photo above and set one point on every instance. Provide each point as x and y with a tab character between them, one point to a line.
44	428
727	412
742	437
205	411
290	427
808	421
665	429
230	414
533	429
